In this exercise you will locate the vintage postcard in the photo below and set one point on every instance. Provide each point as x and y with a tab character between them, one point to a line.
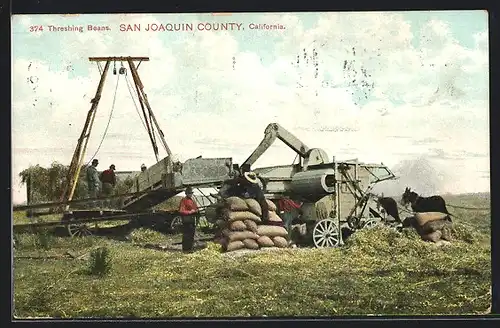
251	164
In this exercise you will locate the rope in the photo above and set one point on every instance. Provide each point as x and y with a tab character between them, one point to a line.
109	120
129	87
450	205
470	208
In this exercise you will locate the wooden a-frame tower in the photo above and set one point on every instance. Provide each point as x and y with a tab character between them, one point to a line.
150	119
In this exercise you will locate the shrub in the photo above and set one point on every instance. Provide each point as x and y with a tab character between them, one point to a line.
44	239
100	261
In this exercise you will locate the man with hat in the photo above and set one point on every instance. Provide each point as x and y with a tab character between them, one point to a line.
246	186
93	181
108	179
143	167
188	210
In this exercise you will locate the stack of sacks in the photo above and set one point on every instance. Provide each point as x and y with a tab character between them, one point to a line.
433	226
242	227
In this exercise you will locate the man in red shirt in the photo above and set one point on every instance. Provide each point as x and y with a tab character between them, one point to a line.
288	210
188	210
108	179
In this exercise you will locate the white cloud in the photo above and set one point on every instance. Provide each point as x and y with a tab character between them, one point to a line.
206	106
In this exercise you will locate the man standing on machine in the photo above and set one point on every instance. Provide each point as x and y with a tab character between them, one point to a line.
93	182
108	179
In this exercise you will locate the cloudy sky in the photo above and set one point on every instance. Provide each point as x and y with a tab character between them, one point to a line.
406	89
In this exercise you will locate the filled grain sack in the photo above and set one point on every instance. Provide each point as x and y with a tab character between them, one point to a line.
237	226
273	217
432	226
271	231
239	235
234	246
280	242
254	206
231	216
272	206
251	244
423	218
236	204
433	236
265	241
251	225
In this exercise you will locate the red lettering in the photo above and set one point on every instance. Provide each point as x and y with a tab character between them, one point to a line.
37	28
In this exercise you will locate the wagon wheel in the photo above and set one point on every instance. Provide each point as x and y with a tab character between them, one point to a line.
370	224
176	224
79	230
326	234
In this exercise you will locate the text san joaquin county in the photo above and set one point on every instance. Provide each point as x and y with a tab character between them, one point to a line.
180	27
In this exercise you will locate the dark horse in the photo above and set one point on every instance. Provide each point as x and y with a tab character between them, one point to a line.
424	204
390	206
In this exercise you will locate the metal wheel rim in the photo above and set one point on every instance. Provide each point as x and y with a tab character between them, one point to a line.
370	224
176	223
326	234
79	230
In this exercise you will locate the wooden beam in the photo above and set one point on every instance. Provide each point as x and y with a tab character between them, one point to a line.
99	59
138	82
77	161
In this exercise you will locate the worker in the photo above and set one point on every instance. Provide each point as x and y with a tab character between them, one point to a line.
108	179
143	167
288	210
188	210
93	182
246	185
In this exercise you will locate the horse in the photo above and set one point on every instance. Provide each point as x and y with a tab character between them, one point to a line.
424	204
390	206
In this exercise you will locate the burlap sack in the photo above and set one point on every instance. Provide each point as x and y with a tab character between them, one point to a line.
251	225
432	226
254	206
237	226
241	216
271	231
265	241
280	242
240	235
236	204
235	245
273	217
433	236
272	206
251	244
423	218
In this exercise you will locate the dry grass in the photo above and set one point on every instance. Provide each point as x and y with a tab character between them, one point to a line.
377	272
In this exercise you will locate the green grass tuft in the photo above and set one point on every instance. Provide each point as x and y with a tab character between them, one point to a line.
100	262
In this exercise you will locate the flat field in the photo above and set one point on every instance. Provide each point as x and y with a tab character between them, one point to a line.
378	271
